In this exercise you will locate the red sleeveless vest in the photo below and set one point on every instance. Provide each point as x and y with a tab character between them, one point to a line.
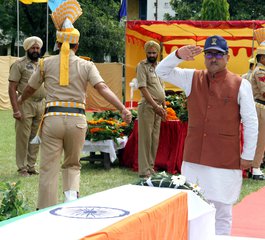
213	137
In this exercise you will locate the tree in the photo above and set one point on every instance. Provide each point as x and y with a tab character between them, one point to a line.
215	10
101	33
246	10
32	21
185	9
238	10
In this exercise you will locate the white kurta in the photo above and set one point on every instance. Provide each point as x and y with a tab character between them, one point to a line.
217	184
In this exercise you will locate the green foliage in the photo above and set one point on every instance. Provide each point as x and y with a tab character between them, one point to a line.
246	10
101	33
185	10
32	21
13	202
238	10
215	10
178	102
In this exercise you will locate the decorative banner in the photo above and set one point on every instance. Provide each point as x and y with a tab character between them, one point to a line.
33	1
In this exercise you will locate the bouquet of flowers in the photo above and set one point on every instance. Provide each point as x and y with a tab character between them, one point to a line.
103	129
108	125
178	102
167	180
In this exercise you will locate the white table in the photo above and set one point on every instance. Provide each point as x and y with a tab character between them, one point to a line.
107	147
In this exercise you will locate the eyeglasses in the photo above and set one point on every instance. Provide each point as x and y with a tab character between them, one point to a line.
217	55
150	53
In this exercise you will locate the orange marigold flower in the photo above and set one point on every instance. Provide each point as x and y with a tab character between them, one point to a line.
94	130
171	114
123	124
92	122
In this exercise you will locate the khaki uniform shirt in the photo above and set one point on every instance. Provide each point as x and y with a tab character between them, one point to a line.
80	73
258	82
247	75
146	77
20	72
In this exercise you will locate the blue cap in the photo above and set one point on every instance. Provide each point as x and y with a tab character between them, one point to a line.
216	43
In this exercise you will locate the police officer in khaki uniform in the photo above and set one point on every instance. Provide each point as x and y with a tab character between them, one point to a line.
65	78
248	75
150	109
258	87
29	116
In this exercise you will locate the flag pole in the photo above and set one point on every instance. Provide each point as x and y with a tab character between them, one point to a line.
18	28
47	30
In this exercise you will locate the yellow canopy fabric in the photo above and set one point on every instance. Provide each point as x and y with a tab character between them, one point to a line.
174	34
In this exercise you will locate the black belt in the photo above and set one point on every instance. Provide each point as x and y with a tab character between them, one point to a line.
260	101
65	110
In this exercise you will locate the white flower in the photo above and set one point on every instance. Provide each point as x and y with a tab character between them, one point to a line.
178	180
163	174
195	187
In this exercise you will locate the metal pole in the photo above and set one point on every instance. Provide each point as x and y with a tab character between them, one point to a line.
124	82
18	28
47	31
156	17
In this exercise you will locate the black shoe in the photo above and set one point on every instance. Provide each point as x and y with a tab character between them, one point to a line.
250	174
33	172
258	177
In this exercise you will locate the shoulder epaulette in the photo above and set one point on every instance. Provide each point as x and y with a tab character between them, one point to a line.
21	59
41	64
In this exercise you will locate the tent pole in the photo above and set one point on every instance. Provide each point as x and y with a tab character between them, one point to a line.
253	40
18	28
161	51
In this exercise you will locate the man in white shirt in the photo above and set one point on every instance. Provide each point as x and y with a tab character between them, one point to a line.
218	102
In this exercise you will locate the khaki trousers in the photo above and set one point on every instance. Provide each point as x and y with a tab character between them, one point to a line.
148	138
26	129
261	139
60	134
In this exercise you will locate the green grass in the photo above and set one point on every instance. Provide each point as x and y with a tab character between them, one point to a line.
94	177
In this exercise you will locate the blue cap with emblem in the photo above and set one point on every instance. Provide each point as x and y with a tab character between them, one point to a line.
216	43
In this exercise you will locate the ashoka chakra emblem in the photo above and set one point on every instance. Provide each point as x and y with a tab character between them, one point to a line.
89	212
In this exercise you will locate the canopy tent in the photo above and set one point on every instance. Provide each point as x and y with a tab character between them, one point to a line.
174	34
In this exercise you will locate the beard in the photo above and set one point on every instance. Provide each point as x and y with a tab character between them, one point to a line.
152	59
34	56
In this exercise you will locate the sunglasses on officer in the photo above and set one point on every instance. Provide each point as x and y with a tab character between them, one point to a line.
217	55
